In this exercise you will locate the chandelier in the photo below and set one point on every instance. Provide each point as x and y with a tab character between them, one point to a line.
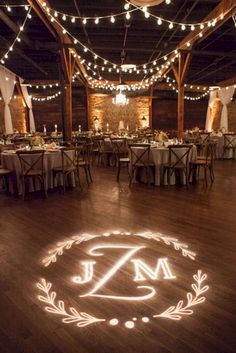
149	2
120	99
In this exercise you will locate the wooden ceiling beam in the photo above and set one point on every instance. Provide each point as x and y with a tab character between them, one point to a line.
56	28
230	82
25	57
209	53
225	7
15	28
38	10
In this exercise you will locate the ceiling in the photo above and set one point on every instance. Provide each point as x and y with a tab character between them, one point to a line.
137	40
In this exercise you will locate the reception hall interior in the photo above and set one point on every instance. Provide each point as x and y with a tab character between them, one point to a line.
117	176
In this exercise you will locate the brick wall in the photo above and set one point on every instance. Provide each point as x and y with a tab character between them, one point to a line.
101	106
165	113
17	113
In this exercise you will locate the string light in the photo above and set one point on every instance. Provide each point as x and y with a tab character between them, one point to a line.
135	8
46	98
17	38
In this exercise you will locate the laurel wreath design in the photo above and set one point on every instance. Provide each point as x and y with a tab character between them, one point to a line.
176	312
58	307
75	240
84	319
72	315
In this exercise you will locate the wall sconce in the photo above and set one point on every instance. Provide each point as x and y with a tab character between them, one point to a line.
96	123
144	121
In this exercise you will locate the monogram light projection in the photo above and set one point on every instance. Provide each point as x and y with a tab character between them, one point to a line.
139	266
140	271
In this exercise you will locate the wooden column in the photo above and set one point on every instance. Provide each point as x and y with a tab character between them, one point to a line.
66	68
27	121
180	74
150	106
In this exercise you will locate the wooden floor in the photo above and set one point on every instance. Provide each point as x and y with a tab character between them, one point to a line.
204	219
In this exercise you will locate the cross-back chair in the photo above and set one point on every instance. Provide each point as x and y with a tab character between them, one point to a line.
68	165
32	166
178	161
84	160
206	163
229	144
120	150
140	158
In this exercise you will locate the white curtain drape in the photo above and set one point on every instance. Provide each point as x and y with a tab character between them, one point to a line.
7	84
28	101
212	97
225	95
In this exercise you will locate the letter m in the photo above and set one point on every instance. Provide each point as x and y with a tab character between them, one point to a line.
141	268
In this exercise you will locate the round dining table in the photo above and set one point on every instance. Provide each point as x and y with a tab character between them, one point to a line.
52	159
159	156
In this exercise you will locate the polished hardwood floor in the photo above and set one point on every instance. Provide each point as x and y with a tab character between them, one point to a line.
203	218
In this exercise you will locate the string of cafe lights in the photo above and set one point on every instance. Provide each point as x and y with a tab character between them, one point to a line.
171	24
111	66
127	13
170	81
9	7
17	38
46	98
43	86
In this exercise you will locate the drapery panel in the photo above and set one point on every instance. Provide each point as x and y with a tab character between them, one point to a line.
212	97
28	101
225	95
7	84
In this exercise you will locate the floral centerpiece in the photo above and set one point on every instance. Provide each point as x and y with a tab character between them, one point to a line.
195	131
221	131
36	140
161	136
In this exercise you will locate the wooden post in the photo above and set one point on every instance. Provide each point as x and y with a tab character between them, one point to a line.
180	74
150	107
66	68
27	122
180	110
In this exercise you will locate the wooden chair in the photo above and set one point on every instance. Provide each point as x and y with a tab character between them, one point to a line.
205	162
68	166
140	158
229	144
84	160
202	141
120	150
32	166
4	176
178	161
104	150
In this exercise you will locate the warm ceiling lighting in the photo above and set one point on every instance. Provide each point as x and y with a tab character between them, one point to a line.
120	99
149	2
